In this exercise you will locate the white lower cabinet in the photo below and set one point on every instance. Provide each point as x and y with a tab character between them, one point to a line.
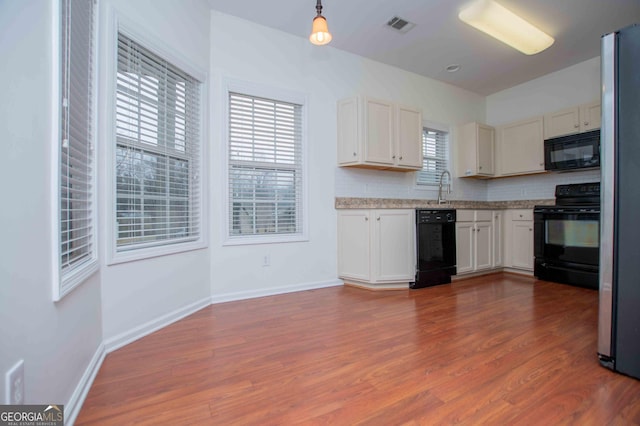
376	247
519	239
474	240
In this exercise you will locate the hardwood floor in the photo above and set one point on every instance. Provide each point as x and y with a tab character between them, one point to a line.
500	349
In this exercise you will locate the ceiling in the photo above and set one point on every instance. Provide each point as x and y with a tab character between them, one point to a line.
439	39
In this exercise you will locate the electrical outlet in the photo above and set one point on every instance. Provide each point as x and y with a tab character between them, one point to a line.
14	384
266	260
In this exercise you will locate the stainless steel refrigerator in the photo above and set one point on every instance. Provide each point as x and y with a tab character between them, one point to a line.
619	280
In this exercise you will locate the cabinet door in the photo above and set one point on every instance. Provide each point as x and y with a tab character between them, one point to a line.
379	131
409	138
485	150
497	238
483	247
348	131
475	150
394	245
563	122
522	147
590	116
522	244
464	247
354	244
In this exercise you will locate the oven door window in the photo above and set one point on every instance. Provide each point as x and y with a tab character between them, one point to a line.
572	238
572	233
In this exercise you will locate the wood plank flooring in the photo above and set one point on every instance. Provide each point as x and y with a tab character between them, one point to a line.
500	349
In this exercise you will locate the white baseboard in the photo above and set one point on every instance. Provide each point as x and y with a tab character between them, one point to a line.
73	406
136	333
251	294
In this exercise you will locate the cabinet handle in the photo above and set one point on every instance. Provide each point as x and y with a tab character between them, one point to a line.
401	157
530	229
378	219
541	164
354	154
576	126
480	168
586	123
366	218
520	215
394	157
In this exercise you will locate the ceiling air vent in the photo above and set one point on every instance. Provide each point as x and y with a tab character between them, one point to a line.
400	25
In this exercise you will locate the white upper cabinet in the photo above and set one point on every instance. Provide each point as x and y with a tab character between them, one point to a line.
378	134
409	137
582	118
521	147
476	153
591	116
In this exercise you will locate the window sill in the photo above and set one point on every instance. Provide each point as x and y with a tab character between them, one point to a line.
151	252
264	239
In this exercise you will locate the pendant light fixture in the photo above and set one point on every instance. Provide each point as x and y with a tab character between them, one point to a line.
320	32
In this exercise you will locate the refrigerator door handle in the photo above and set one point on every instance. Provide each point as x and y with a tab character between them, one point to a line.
607	185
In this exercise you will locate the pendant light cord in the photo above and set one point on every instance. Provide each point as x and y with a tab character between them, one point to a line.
319	7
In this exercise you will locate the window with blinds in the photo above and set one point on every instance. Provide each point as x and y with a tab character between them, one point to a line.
157	152
77	234
435	149
265	166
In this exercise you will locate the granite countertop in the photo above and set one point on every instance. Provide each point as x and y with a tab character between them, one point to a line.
398	203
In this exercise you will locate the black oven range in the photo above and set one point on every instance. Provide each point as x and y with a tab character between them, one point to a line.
567	236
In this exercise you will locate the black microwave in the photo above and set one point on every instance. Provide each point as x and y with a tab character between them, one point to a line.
579	151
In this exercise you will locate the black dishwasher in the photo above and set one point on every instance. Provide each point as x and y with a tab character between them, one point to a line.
436	247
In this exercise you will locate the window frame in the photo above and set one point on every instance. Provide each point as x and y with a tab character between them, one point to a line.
449	165
63	282
271	93
120	25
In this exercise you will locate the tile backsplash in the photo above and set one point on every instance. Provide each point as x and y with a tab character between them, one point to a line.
365	183
536	187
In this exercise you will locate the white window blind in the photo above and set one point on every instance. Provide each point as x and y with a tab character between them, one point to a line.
76	172
435	148
265	166
157	150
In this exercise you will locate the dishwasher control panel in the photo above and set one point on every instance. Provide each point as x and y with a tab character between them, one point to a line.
435	216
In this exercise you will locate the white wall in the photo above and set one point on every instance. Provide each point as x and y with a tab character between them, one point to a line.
249	53
568	87
244	51
56	340
136	294
574	85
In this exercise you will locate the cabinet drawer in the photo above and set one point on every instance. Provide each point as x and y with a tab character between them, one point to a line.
484	215
522	215
465	215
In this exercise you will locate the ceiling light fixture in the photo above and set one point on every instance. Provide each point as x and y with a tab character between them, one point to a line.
504	25
320	32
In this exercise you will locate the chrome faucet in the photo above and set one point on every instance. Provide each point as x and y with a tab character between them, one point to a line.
440	199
